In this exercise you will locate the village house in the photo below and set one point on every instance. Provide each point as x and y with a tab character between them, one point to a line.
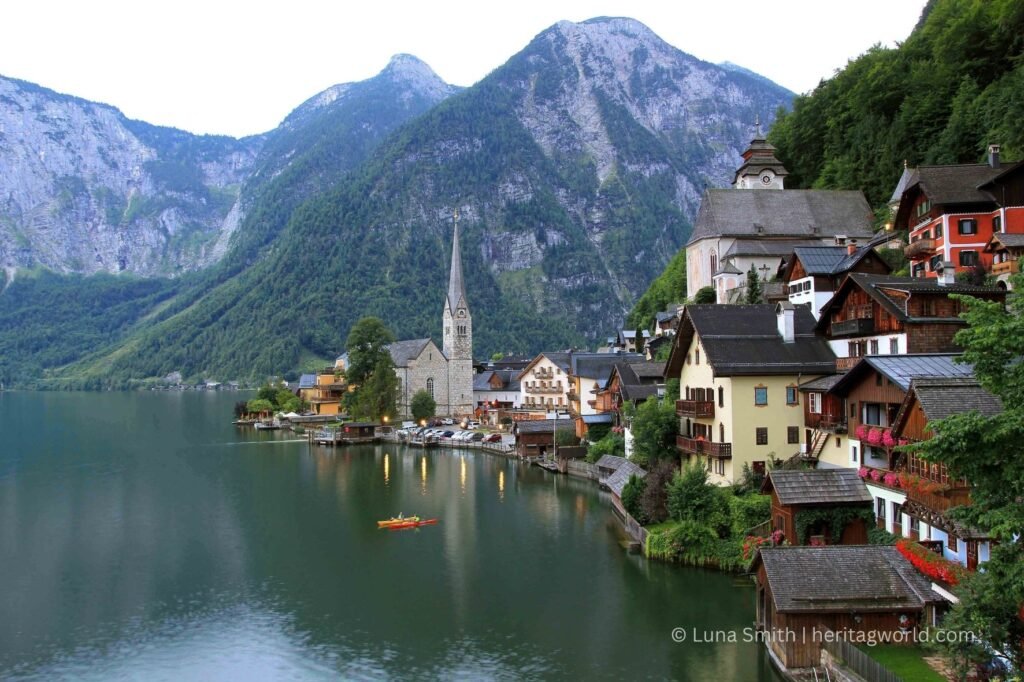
324	390
625	341
952	211
887	315
495	391
819	506
930	491
856	590
1005	251
614	473
757	223
740	367
629	382
812	274
587	375
544	384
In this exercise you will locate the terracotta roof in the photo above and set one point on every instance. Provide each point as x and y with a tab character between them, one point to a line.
817	486
844	578
794	213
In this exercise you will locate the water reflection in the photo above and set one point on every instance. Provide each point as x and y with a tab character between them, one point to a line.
387	468
501	484
423	475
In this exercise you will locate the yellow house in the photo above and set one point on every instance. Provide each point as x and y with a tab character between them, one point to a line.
739	369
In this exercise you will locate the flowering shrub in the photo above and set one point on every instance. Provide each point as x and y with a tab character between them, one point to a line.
887	440
891	479
875	437
916	483
929	563
751	544
777	537
862	472
861	432
817	541
876	475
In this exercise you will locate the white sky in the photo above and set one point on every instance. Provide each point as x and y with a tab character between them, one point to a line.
237	68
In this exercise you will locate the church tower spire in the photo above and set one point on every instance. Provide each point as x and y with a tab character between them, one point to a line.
760	169
458	335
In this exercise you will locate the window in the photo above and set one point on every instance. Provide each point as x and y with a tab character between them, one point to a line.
915	527
714	264
720	466
721	397
761	395
938	231
951	543
814	403
853	409
894	346
792	434
880	508
721	432
967	226
927	234
923	208
918	270
997	224
897	513
791	396
934	262
839	442
873	347
430	387
762	435
968	258
696	356
853	454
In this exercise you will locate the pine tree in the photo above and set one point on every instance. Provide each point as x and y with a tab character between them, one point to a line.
754	289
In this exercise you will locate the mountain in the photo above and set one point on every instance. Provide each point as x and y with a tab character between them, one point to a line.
942	96
85	189
48	319
576	167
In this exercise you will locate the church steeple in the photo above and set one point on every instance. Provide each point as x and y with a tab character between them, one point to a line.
456	289
760	169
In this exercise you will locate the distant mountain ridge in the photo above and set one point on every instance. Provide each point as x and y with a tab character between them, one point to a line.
576	166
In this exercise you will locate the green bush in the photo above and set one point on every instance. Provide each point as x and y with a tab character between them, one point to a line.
611	444
748	511
632	494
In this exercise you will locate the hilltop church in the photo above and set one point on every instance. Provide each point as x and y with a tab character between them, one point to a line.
446	374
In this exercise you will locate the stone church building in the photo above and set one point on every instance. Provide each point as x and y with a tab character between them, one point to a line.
445	373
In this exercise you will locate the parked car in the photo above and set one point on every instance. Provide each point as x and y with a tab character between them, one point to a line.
493	438
476	437
448	434
447	421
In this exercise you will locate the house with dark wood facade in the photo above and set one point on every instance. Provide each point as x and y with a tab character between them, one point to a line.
930	491
1006	251
536	437
819	506
886	315
813	273
803	592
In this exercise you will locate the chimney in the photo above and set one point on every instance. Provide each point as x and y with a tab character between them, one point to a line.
785	315
993	155
947	273
851	247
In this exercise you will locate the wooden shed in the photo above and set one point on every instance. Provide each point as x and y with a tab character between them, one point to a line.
860	592
835	503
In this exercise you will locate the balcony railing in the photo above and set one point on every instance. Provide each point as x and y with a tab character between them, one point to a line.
699	446
1007	267
843	364
543	389
544	373
832	423
942	501
859	326
922	247
697	409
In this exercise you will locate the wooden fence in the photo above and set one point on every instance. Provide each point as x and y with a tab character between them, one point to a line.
856	660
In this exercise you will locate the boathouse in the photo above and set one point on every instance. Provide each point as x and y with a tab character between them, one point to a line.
807	594
819	506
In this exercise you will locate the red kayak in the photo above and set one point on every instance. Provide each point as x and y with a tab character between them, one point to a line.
412	524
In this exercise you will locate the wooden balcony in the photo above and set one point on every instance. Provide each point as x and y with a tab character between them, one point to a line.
858	326
699	446
1007	267
940	502
544	389
695	409
922	247
843	364
833	423
544	373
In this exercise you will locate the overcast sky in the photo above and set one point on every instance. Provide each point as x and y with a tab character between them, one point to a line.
237	68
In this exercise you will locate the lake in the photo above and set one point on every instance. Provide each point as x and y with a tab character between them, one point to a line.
143	536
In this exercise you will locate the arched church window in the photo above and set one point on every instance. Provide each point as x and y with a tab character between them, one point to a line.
430	387
714	263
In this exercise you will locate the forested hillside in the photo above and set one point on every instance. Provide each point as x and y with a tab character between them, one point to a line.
955	86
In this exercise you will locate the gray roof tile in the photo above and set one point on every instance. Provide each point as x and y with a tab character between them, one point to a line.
402	352
818	486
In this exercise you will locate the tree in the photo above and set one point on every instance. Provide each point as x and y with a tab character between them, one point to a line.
754	292
423	405
655	427
632	493
985	451
639	343
497	356
367	344
259	405
692	498
705	295
377	397
654	501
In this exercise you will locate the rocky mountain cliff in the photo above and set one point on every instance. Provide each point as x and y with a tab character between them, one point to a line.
576	167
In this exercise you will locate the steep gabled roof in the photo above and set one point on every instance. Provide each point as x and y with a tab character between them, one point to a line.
403	352
829	260
560	359
544	425
793	213
1009	240
879	288
599	365
941	397
817	486
743	340
955	184
843	578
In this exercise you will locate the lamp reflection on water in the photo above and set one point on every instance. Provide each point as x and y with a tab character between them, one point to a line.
462	473
423	474
387	469
501	484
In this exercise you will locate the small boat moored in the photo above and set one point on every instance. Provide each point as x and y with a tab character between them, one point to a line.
395	520
412	524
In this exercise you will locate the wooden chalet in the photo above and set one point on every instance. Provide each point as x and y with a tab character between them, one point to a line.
536	437
614	473
814	492
813	273
931	491
885	315
804	591
1005	251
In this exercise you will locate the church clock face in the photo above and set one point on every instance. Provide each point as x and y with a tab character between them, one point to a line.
462	313
766	179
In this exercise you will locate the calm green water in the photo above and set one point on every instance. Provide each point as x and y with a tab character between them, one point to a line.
144	537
